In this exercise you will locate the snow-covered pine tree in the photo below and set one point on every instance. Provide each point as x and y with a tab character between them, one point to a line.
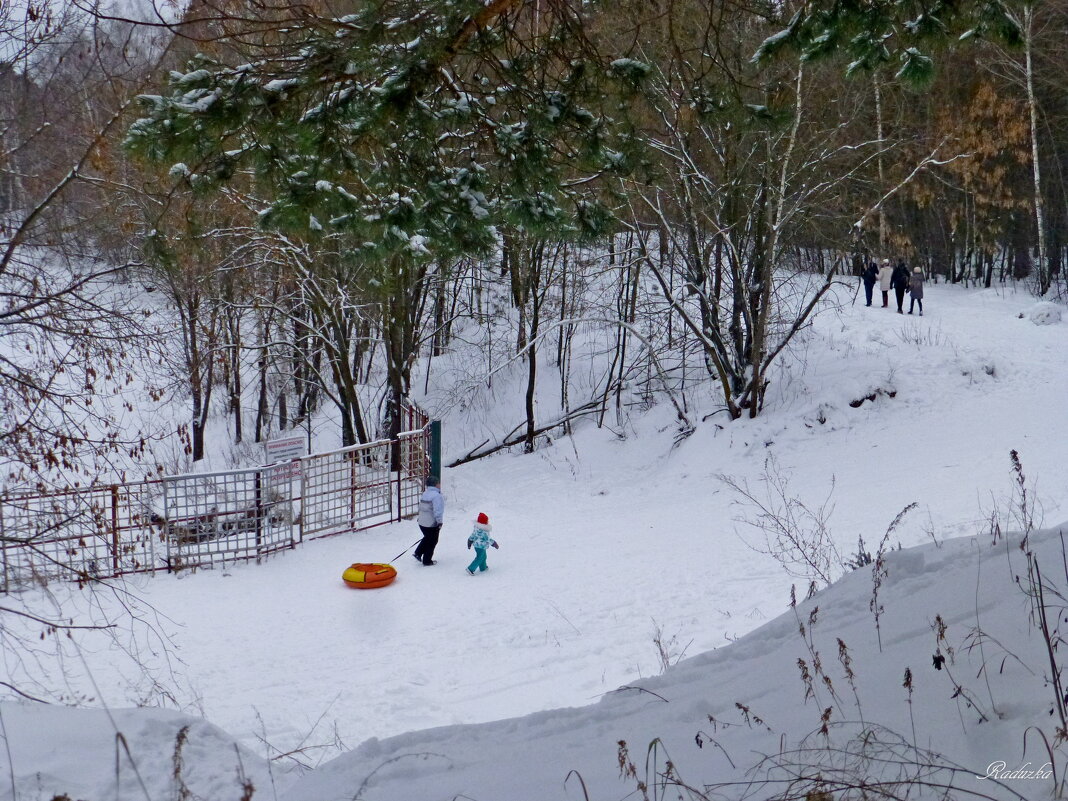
417	131
897	35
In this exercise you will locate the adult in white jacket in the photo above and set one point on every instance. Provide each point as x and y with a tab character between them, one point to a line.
431	516
886	272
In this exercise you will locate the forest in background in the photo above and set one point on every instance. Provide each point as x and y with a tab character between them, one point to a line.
270	210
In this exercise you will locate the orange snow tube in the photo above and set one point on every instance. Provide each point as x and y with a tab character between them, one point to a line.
365	576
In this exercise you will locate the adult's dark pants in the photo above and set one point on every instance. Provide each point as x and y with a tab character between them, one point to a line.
424	551
900	292
867	292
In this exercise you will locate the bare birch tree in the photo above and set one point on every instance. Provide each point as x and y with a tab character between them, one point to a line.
746	171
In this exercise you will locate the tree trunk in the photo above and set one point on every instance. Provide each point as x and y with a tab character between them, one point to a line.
759	301
619	332
1032	107
262	407
532	377
879	144
440	291
236	388
532	290
400	329
201	375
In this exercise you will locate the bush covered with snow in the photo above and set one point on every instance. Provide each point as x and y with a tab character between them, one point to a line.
1045	313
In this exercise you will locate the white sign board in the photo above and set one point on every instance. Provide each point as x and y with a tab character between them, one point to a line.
284	449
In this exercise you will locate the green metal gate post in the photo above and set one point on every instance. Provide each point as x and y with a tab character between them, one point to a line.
435	448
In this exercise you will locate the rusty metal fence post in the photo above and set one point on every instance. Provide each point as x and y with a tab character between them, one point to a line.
303	495
115	529
258	511
168	557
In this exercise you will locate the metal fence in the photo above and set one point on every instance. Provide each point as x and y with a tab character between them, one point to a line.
210	519
87	533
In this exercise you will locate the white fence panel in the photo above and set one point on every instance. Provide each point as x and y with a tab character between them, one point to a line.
346	489
214	518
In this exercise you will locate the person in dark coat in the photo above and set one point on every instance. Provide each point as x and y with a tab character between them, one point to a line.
870	276
885	272
899	282
916	289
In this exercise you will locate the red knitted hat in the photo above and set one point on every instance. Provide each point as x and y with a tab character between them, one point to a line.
483	519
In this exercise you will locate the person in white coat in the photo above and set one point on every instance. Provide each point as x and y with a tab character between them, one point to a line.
886	271
431	517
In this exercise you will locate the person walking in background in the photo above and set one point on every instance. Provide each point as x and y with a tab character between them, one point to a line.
431	516
899	281
885	273
869	276
916	289
480	540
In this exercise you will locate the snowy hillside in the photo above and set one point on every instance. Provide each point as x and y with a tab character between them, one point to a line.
750	719
621	554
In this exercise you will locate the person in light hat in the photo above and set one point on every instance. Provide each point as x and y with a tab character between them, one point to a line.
885	272
480	540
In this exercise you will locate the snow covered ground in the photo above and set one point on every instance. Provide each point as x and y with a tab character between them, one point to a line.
621	553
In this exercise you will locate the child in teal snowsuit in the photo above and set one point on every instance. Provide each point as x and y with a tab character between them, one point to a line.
480	540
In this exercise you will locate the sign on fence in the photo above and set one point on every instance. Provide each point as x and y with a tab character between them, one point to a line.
279	450
285	449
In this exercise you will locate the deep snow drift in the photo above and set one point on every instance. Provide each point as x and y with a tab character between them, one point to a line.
619	554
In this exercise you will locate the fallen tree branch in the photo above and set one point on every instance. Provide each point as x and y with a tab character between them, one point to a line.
474	454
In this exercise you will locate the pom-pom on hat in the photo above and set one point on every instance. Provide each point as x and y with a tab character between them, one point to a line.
482	519
915	269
